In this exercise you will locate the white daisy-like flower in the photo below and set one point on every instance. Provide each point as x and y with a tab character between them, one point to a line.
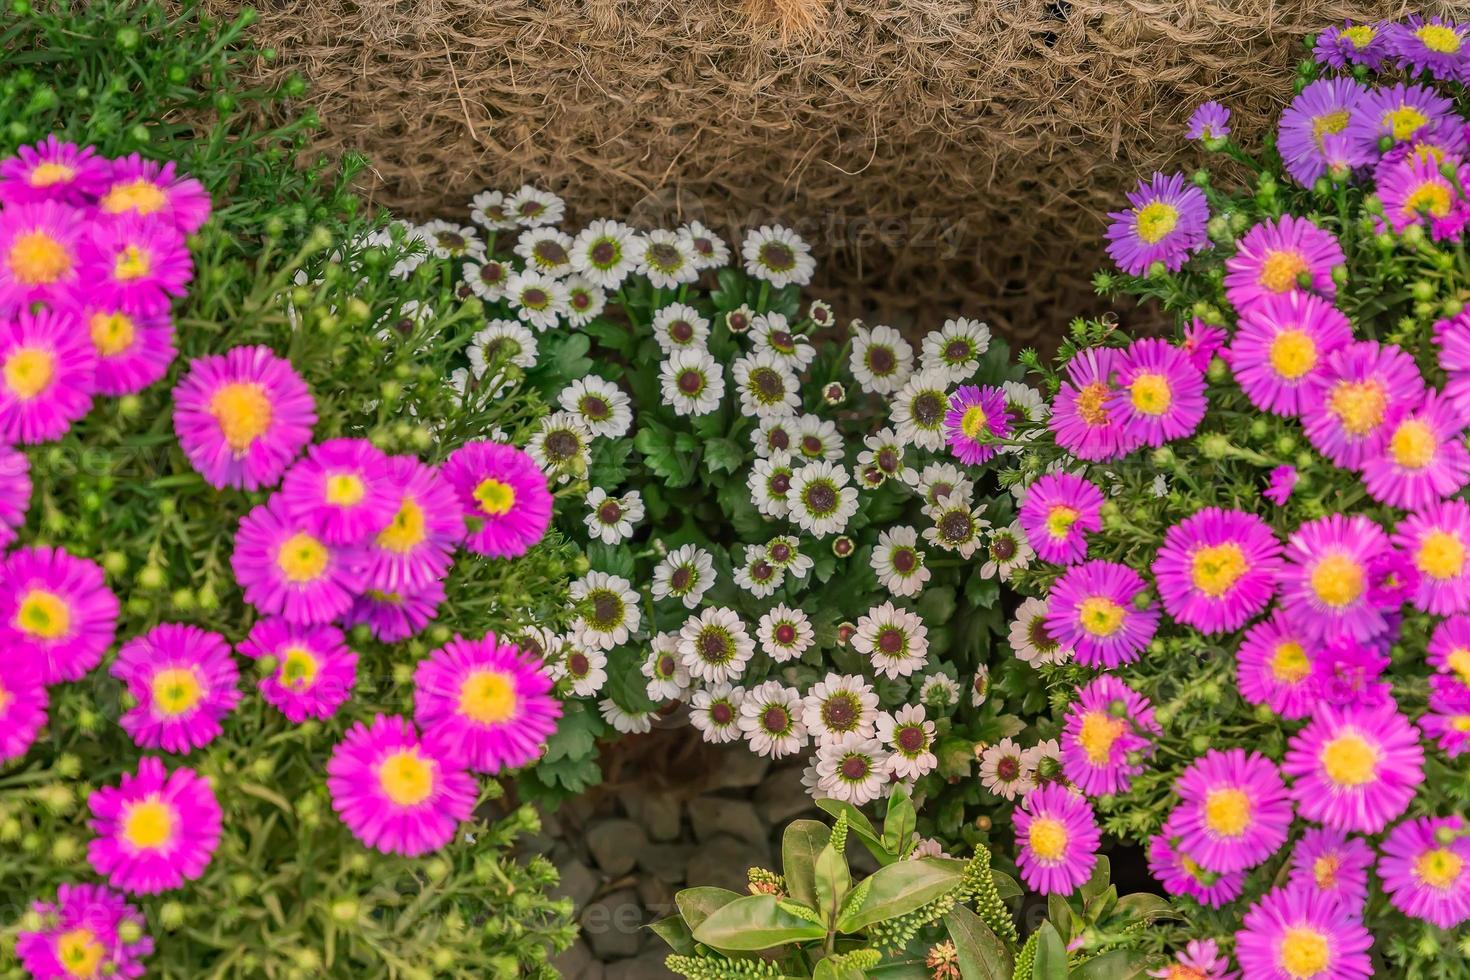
561	446
1006	550
757	575
980	686
1045	762
461	383
611	519
810	781
884	453
1160	486
927	847
778	255
769	482
1031	641
767	386
691	382
532	208
911	737
820	313
710	250
881	360
714	645
1004	770
686	574
605	253
772	332
939	691
667	677
957	527
770	718
400	240
715	711
447	240
939	483
488	279
585	667
666	259
955	349
738	320
601	405
776	434
408	323
852	768
840	704
820	500
918	410
624	721
678	326
585	300
898	561
499	343
818	438
895	639
539	299
487	209
784	551
607	610
785	633
546	250
546	646
1024	401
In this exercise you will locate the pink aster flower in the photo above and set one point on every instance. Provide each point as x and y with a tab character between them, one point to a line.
1355	769
51	170
485	703
1423	457
1352	44
134	349
156	830
1449	649
417	546
314	670
23	704
1106	736
1202	342
1334	864
242	417
1200	959
1081	418
1274	667
1403	113
1346	674
1217	569
1180	874
976	415
135	262
1279	484
340	492
504	495
1094	609
287	571
1437	540
1160	395
1392	579
15	493
1324	585
1277	257
184	681
48	372
1425	869
1453	338
1447	723
1165	223
1057	837
88	933
1210	121
150	189
40	253
1349	411
394	792
56	612
1320	113
1057	513
1434	45
1301	934
1415	191
1234	811
394	616
1281	345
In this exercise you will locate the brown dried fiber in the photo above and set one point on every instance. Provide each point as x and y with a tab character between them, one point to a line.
944	156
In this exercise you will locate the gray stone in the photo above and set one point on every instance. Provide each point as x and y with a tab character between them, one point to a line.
667	862
571	961
723	860
614	845
657	896
592	971
739	768
781	797
659	814
648	966
578	882
612	923
714	815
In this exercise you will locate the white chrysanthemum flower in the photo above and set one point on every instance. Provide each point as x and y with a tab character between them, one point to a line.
810	781
532	208
714	645
898	561
911	737
585	300
605	253
818	438
546	646
820	500
957	527
408	324
488	279
785	633
840	704
607	610
980	686
499	343
955	349
459	383
538	299
939	483
666	259
766	385
488	210
820	313
624	721
853	769
447	240
881	360
884	453
778	256
1160	486
784	551
738	320
1024	401
918	411
601	405
939	691
691	382
895	639
770	718
710	250
770	484
686	574
772	332
1044	759
585	667
715	711
927	847
546	250
776	434
757	575
1005	551
1031	641
667	677
1004	771
678	326
407	249
561	447
611	519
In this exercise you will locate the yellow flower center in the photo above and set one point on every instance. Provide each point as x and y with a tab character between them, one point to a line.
79	952
1280	270
1090	403
1324	871
1060	520
1358	405
140	195
1412	445
1460	723
1150	394
495	498
1289	664
1438	38
406	777
1304	952
1431	198
1227	812
112	333
1101	616
1439	868
302	558
132	263
29	371
1048	838
972	423
37	259
44	615
1359	35
488	697
1329	124
1404	121
1215	569
148	824
6	698
1155	220
1350	761
176	691
345	489
243	413
1293	353
406	531
50	174
299	667
1459	662
1099	731
1338	581
1441	555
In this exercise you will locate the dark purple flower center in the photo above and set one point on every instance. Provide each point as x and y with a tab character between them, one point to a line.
958	351
550	252
820	498
682	331
840	712
785	634
691	382
956	526
578	664
911	739
561	444
780	483
856	767
604	253
905	560
535	298
881	360
610	512
781	551
777	256
682	578
664	256
767	384
1003	547
929	408
776	719
595	408
721	712
1008	768
890	641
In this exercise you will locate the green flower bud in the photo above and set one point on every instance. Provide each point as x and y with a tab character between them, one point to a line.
127	38
345	909
171	915
151	577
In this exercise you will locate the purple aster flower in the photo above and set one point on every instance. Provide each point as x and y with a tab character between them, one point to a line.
976	416
1217	569
1211	121
1166	224
1280	483
23	706
1234	811
417	546
1081	418
394	616
51	171
1274	667
156	830
1301	934
1202	342
1287	255
1416	191
506	502
57	614
1160	395
1423	458
1437	540
1057	837
134	262
1447	722
285	570
1449	649
48	374
314	672
134	349
147	188
1425	869
40	253
1180	874
1453	338
1346	673
1324	585
340	491
1331	862
88	932
1350	409
1094	608
1200	959
1434	46
1352	44
15	493
1320	111
1401	113
184	682
1057	513
1281	346
1355	769
1106	736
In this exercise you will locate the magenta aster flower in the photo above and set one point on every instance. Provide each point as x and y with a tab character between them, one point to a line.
1425	870
1403	113
1278	257
1160	395
394	616
1094	609
1210	121
1447	723
976	415
1081	418
150	189
1166	223
1334	864
23	704
1352	44
40	253
340	491
1423	457
1415	191
135	262
1274	667
48	372
485	703
1057	513
1234	811
1202	342
1320	112
1281	346
1453	338
394	792
242	417
56	612
1355	769
1346	674
1437	540
134	349
81	937
1435	46
1392	579
315	669
1180	874
1279	484
1301	934
51	170
1200	959
15	493
184	681
1057	837
417	546
1217	569
287	571
504	495
1449	649
155	830
1324	585
1106	736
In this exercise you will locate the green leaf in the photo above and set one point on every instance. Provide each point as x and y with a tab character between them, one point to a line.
1142	905
859	824
698	904
899	821
802	841
955	756
755	922
674	931
1006	886
828	970
833	880
1051	955
900	888
937	605
982	955
1118	964
723	454
1060	915
1098	883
